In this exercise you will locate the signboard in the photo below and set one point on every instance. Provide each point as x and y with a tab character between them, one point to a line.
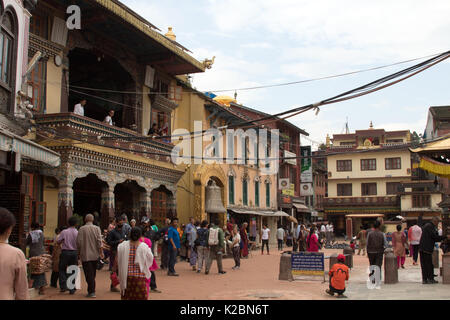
306	165
284	184
306	265
288	154
290	191
306	189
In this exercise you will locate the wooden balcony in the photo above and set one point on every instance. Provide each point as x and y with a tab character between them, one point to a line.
361	201
60	126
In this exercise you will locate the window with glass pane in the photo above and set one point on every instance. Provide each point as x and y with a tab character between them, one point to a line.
393	163
421	201
38	25
36	80
268	195
368	164
256	193
392	187
231	190
245	192
6	59
368	189
344	165
344	189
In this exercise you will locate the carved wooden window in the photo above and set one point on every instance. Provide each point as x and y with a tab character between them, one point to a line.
392	187
39	25
36	81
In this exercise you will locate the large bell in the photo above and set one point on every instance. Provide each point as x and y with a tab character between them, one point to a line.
214	202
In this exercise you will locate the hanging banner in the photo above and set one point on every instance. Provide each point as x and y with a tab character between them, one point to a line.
306	173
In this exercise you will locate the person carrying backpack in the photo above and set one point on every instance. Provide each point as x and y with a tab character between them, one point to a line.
201	243
338	275
216	246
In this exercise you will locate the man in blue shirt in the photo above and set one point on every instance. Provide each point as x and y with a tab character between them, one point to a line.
174	245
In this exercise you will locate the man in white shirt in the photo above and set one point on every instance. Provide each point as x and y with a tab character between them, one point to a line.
79	108
265	238
108	118
328	233
280	237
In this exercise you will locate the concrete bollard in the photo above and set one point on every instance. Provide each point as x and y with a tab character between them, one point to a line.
390	267
348	252
285	267
436	258
446	268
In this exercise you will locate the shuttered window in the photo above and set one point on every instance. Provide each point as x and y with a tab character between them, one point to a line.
245	192
231	190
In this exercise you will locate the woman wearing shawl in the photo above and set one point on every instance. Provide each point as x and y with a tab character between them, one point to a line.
312	241
151	283
134	262
244	239
35	240
302	238
399	246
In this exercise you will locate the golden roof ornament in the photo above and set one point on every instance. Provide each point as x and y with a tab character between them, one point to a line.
371	125
207	63
171	35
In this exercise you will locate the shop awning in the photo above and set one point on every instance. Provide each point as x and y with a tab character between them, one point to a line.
364	215
301	207
28	149
265	213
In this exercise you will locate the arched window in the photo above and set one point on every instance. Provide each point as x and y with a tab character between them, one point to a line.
7	63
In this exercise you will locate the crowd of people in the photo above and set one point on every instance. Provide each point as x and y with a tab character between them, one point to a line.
131	249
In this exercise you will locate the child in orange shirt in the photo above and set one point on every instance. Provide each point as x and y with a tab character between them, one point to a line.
338	275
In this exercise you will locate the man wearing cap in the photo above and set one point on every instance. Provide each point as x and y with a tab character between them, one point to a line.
426	247
338	275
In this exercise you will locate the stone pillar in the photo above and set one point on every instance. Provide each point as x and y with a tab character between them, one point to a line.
390	267
349	227
108	205
145	204
65	203
285	267
446	268
436	258
348	252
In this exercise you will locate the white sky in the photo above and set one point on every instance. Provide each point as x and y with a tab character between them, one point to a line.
263	42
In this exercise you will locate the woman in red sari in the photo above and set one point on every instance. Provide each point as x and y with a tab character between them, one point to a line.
244	239
312	241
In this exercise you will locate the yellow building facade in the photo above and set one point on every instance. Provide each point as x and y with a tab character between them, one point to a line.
259	200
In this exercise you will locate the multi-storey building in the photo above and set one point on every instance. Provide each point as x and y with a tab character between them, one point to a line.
289	200
365	171
117	61
16	189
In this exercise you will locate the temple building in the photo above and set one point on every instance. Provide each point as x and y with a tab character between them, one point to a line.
125	70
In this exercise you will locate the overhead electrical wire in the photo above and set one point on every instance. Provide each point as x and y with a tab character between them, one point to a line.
351	94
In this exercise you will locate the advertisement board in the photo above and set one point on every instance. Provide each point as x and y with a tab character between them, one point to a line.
306	164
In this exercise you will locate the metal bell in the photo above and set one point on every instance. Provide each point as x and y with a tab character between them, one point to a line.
214	202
